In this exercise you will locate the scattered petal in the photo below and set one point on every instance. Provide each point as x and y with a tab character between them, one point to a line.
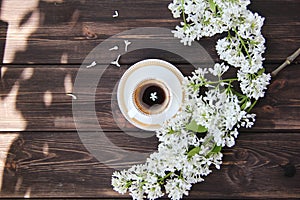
114	48
116	62
72	95
127	43
116	14
93	64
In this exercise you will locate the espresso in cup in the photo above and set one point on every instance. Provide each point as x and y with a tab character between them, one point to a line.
151	97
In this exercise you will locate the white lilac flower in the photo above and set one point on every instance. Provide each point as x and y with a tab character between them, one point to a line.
175	7
153	191
191	142
243	49
177	187
119	181
219	69
217	110
253	85
251	26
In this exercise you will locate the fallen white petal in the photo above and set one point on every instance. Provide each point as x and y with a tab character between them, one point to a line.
127	43
116	62
116	14
72	95
114	48
92	65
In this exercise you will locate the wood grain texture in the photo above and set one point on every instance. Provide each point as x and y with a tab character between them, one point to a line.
57	165
74	29
48	158
277	111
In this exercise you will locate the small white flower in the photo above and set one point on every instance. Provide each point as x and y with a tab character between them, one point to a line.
177	188
119	181
219	69
153	96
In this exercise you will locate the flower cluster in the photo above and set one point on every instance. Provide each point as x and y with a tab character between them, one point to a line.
206	17
190	142
242	48
213	110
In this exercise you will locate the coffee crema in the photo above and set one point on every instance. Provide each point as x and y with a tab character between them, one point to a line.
151	97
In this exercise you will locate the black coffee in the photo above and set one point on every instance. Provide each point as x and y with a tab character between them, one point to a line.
153	94
151	97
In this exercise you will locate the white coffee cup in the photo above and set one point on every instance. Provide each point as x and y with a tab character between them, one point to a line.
158	77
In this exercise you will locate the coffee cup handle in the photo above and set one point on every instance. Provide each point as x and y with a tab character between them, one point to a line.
132	113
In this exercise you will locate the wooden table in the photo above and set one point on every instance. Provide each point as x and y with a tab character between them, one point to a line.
41	154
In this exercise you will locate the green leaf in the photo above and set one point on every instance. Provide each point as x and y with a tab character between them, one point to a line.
244	105
171	131
261	71
252	105
193	126
216	149
128	184
193	152
212	6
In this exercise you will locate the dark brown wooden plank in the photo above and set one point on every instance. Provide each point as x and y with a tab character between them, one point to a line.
43	164
64	28
277	111
50	51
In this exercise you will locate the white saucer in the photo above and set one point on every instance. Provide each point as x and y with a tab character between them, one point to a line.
150	69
